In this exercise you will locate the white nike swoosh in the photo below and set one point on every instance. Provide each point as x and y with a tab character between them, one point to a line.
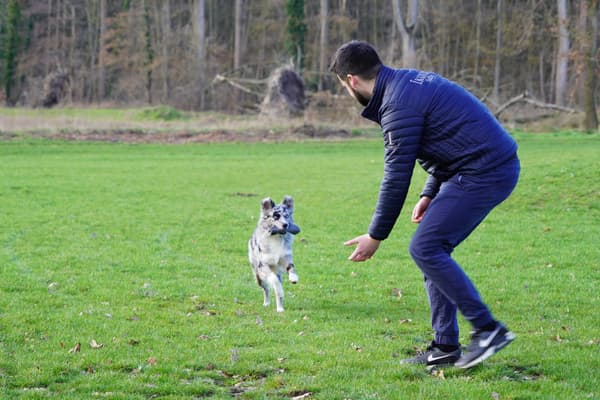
486	342
431	358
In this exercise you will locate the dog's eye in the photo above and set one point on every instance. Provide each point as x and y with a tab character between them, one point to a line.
276	216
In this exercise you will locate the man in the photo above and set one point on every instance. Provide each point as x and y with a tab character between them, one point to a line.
472	165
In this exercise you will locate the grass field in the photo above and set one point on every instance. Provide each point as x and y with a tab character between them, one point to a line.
124	275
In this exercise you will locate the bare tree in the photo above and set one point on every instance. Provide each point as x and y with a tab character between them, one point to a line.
496	90
166	39
408	30
589	11
200	34
102	52
477	42
237	47
562	57
323	56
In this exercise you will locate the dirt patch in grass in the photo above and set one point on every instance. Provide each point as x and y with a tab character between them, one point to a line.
215	136
299	133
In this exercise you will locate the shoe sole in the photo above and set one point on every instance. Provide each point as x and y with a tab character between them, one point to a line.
443	363
508	338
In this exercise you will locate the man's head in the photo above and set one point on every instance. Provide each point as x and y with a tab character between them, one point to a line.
356	65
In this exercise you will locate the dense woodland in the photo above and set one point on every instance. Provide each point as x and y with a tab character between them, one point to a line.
217	54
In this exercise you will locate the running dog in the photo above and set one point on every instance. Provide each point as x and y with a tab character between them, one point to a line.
270	248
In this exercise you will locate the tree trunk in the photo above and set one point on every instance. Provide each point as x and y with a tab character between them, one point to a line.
323	56
49	34
496	90
166	41
237	47
72	44
13	19
149	51
200	27
562	57
407	31
591	118
477	43
101	51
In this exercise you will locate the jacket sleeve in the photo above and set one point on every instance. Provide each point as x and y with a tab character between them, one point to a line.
402	130
431	188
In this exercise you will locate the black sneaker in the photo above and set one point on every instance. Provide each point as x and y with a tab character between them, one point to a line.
485	344
433	356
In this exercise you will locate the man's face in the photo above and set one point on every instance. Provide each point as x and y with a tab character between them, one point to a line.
361	98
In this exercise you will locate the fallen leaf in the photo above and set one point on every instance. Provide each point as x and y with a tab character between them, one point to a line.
152	361
96	345
234	355
558	338
405	321
259	321
76	348
302	396
438	373
397	292
495	396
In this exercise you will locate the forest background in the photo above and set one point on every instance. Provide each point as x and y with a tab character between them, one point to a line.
206	55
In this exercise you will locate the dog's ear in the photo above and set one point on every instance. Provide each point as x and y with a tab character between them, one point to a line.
267	204
288	201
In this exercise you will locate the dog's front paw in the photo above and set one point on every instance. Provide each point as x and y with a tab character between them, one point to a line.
280	309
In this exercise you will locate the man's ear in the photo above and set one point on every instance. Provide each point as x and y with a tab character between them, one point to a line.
352	81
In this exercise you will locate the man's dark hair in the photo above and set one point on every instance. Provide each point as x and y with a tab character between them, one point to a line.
356	58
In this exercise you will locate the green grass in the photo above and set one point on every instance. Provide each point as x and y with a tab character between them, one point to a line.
142	248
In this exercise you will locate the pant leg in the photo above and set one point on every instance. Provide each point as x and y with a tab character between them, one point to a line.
443	315
460	206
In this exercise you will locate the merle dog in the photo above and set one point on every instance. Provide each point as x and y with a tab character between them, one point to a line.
270	248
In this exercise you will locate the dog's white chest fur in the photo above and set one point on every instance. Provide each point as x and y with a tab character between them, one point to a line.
274	251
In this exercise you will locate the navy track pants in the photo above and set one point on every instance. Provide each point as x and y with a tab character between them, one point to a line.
461	204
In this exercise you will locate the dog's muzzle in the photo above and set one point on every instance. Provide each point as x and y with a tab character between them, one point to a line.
278	231
290	228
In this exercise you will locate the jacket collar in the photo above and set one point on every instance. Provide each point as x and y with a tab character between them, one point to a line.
371	111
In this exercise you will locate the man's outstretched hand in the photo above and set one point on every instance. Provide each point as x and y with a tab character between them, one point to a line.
366	246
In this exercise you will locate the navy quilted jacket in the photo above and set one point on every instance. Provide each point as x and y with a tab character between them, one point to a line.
427	118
